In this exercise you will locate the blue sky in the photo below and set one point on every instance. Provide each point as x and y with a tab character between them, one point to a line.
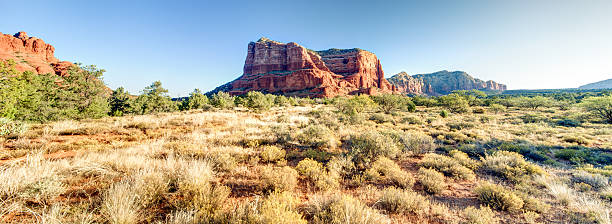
526	44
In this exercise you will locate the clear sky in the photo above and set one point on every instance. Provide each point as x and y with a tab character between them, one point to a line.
526	44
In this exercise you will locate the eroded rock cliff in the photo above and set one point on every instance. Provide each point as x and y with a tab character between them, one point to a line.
31	54
442	82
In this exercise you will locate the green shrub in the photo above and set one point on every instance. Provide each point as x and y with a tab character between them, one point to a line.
484	215
381	118
455	103
386	171
342	209
272	154
400	201
464	159
497	108
412	120
366	147
278	179
413	142
576	139
448	166
196	100
433	181
222	100
444	113
509	165
120	102
354	105
316	135
600	107
154	99
316	173
498	197
567	122
392	102
258	101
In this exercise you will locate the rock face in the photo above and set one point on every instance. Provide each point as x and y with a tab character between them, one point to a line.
291	69
442	82
604	84
31	54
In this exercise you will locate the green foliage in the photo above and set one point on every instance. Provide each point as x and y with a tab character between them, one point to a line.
154	99
509	165
600	107
120	102
48	97
455	103
196	100
447	165
222	100
484	215
354	105
567	122
278	179
272	154
444	113
497	108
433	181
316	173
366	147
258	101
392	102
400	201
316	135
498	197
387	171
533	102
424	101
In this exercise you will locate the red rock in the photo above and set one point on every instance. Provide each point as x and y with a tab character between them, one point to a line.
291	69
31	54
442	82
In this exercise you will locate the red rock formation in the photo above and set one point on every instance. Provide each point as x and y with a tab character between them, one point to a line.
291	69
31	54
442	82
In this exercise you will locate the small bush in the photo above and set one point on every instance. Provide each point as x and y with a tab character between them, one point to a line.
370	145
354	105
595	180
258	101
342	209
509	165
444	113
464	159
580	140
381	118
385	170
448	166
222	100
433	181
497	108
478	110
316	173
569	122
318	136
272	154
455	103
400	201
278	207
276	178
222	162
484	215
414	143
498	197
412	120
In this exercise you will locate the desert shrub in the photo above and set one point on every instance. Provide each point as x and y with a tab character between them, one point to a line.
454	103
497	108
222	162
316	135
381	118
282	101
533	118
460	125
478	110
498	197
567	122
386	170
597	181
341	209
272	154
531	204
509	165
354	105
365	147
411	120
200	194
222	100
341	166
414	142
393	102
196	100
484	215
8	127
258	101
424	101
444	113
600	107
400	201
277	178
576	139
433	181
316	173
120	102
464	159
448	166
278	207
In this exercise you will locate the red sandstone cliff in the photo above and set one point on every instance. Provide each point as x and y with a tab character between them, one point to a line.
291	69
31	54
442	82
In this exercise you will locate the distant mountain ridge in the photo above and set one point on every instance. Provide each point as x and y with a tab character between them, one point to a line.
441	83
604	84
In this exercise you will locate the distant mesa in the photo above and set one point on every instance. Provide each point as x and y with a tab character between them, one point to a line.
605	84
441	83
291	69
31	54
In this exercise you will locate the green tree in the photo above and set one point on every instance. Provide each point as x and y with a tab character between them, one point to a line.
354	105
454	102
120	102
534	102
222	100
393	102
600	107
154	99
258	101
196	100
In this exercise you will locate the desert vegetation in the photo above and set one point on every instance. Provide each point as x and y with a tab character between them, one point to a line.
467	157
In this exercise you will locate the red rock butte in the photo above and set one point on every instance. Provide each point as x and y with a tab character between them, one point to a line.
291	69
31	54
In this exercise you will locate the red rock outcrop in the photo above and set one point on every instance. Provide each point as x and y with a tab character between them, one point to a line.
31	54
440	83
291	69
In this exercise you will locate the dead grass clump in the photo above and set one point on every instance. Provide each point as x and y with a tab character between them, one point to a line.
387	171
337	208
498	197
448	166
120	204
597	181
278	179
400	201
483	215
433	181
200	193
509	165
35	179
